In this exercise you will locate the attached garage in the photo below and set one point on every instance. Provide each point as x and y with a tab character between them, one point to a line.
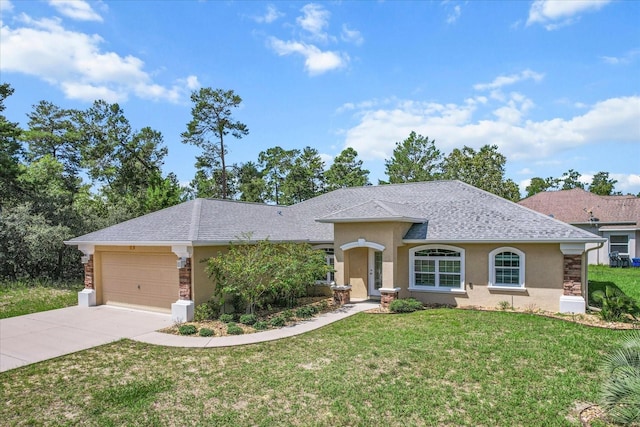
144	280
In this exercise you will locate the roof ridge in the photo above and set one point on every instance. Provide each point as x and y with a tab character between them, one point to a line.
194	226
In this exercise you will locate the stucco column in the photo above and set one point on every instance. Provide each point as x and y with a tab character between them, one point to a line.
572	300
183	309
87	296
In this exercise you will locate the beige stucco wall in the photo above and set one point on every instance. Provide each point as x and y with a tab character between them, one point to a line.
543	269
203	286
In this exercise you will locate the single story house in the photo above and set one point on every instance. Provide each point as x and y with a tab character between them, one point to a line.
615	218
443	242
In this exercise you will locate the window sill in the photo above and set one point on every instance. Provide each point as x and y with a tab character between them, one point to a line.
436	290
507	288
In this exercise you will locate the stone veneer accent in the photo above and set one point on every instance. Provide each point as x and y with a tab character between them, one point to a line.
88	274
387	296
184	275
341	295
572	275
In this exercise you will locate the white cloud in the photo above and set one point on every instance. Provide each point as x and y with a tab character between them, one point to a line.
502	81
627	58
6	6
314	20
76	9
271	15
75	62
316	61
351	36
454	15
554	14
626	183
455	125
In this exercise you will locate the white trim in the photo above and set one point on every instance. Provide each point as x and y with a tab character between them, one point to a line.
572	248
507	288
87	250
182	251
492	269
371	280
437	288
362	243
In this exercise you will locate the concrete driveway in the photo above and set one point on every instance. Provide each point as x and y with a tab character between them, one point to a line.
41	336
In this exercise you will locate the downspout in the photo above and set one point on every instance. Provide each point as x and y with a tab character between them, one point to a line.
585	273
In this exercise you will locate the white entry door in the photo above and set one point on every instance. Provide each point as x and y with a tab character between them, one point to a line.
375	272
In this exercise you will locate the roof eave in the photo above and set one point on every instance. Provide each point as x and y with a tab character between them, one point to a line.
459	241
382	219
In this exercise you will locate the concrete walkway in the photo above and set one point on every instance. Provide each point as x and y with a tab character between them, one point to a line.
160	338
40	336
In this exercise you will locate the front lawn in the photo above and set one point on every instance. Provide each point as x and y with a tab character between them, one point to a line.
25	297
432	367
625	279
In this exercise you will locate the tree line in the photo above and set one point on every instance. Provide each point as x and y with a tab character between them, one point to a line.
70	172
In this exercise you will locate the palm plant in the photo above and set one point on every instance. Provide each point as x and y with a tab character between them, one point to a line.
620	396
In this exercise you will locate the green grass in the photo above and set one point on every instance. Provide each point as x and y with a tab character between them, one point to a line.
432	367
23	297
625	279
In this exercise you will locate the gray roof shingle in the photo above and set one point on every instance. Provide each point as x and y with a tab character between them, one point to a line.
455	211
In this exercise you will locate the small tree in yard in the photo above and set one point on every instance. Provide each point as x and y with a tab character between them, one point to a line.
255	271
621	389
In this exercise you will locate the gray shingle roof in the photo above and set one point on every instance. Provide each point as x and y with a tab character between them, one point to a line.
454	210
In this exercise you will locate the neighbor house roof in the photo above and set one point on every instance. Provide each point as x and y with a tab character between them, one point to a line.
442	211
578	206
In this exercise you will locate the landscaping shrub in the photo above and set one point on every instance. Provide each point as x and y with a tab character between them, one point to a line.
205	311
187	329
616	306
260	325
407	305
504	305
277	321
306	311
206	332
248	319
233	329
226	318
287	314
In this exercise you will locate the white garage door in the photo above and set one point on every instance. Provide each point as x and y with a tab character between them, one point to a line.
148	281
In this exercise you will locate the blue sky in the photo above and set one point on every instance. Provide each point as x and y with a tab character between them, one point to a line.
555	84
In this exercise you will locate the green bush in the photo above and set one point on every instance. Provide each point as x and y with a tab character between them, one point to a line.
287	314
504	305
616	306
248	319
260	325
187	329
206	332
277	321
226	318
233	329
407	305
306	311
205	311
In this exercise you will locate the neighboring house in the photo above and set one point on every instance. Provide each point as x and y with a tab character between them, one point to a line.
441	242
615	218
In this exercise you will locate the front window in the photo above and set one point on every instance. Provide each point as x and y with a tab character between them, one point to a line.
437	268
330	258
506	268
619	243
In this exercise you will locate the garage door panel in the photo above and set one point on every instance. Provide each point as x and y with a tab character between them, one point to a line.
147	280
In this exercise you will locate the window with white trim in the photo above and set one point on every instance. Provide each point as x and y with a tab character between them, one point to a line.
506	268
619	243
331	262
436	267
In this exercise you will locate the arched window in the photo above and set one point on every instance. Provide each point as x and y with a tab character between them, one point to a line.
436	268
506	268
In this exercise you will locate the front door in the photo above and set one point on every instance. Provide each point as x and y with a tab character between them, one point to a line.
375	272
